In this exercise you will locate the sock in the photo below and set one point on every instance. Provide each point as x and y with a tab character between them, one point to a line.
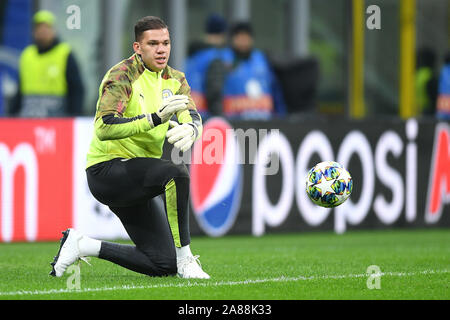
89	247
183	252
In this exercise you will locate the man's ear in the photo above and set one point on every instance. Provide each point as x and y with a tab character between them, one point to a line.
137	47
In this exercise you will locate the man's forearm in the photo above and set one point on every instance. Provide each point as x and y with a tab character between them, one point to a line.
110	127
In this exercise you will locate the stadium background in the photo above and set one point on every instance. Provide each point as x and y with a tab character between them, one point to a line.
359	85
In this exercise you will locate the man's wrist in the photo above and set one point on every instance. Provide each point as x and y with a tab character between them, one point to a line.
195	130
153	119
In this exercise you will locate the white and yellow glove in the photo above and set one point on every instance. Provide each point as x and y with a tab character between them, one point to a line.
182	136
169	107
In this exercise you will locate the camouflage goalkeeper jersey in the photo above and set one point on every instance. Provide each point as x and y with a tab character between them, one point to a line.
129	91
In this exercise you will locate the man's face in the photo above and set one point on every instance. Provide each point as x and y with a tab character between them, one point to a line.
242	42
43	34
154	48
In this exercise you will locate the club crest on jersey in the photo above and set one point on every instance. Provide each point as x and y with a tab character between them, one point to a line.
166	93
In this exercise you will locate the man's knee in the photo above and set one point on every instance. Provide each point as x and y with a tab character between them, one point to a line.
164	265
179	171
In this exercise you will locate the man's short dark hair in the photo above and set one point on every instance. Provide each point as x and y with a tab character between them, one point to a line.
241	27
148	23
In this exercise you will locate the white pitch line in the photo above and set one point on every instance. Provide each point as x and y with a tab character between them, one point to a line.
221	283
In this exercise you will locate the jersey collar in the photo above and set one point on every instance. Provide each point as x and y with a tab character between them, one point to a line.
143	67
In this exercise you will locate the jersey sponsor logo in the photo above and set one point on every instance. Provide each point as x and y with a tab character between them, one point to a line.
216	180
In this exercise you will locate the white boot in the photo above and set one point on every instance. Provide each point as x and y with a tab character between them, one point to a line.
69	252
190	268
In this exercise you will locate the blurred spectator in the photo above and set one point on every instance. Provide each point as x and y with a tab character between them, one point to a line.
426	81
49	79
215	35
299	81
251	89
443	101
205	69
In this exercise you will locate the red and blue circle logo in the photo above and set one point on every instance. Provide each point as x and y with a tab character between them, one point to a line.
216	178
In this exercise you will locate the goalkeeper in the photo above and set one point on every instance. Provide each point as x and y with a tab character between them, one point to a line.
137	98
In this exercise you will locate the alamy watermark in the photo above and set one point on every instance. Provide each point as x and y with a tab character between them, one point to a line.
373	21
374	279
73	282
234	146
73	21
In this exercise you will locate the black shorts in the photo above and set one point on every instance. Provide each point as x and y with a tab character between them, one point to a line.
124	182
131	185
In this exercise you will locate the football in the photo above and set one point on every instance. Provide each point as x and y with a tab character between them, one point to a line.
328	184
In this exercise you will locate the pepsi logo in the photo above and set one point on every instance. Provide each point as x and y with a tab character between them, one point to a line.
216	180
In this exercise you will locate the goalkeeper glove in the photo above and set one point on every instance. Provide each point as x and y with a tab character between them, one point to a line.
182	136
169	107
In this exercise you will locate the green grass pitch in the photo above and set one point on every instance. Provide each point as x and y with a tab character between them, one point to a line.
414	264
